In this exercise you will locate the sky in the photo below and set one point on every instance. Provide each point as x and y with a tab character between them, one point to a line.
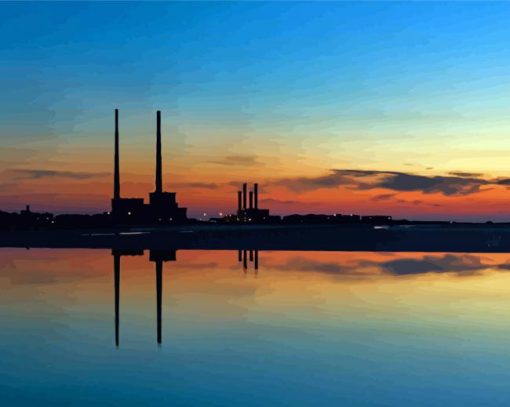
372	108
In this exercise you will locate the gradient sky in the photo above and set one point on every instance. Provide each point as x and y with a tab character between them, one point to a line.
371	108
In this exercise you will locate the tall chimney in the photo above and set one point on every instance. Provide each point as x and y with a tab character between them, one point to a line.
116	175
256	195
251	199
244	195
239	201
159	170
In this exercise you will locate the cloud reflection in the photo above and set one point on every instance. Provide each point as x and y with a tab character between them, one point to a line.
458	264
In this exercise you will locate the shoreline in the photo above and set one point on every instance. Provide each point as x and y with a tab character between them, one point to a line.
420	238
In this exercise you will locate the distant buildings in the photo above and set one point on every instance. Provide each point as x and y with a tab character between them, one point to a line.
248	208
162	207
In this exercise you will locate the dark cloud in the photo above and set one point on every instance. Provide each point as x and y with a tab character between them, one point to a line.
503	181
236	160
391	180
466	174
446	185
38	174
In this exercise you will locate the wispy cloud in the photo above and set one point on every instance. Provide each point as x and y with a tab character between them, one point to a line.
43	173
383	197
236	160
197	185
270	201
394	198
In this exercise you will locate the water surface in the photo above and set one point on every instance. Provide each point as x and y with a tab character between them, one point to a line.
284	328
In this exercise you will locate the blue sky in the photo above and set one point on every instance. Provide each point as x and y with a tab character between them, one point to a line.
303	85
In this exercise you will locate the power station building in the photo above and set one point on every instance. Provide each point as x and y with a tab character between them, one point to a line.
162	207
248	206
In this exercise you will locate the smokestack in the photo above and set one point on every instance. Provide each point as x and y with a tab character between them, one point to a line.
256	195
159	170
116	175
239	201
251	199
244	195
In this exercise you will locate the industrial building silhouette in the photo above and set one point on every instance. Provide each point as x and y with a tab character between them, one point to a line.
162	207
250	211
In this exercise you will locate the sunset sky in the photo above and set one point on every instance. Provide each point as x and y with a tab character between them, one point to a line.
372	108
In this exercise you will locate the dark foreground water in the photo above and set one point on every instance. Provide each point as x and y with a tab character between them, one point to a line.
304	329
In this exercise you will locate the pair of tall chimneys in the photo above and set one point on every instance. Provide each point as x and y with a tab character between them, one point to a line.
159	165
242	198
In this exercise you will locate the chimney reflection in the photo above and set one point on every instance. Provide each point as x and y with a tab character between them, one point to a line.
116	277
242	257
159	257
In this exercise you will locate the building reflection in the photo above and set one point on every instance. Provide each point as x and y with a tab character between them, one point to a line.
252	255
159	257
156	256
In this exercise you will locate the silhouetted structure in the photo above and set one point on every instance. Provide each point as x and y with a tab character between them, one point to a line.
116	279
156	256
159	257
242	257
162	207
248	210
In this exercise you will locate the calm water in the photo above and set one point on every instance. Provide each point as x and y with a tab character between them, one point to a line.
305	329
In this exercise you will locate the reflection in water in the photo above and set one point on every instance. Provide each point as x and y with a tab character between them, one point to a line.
242	257
156	256
314	328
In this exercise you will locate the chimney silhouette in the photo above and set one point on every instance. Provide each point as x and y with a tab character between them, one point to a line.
239	200
159	171
256	195
116	176
251	199
244	195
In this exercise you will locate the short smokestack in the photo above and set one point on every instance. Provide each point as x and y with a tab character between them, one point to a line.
116	175
239	201
245	186
256	195
251	199
159	169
